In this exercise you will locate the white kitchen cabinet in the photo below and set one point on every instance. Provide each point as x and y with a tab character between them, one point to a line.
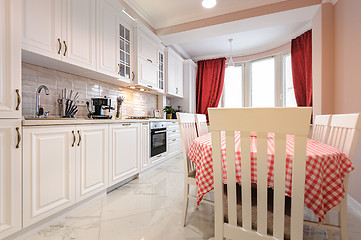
48	171
78	33
125	48
146	49
10	176
61	29
10	59
161	69
173	139
174	73
124	151
108	25
91	160
145	147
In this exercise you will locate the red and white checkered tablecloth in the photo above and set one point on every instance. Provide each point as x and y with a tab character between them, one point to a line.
326	168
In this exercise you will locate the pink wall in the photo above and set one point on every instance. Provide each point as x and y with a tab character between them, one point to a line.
323	59
347	97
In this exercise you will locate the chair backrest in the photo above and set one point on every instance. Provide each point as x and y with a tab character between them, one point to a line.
280	121
202	127
321	128
344	131
187	128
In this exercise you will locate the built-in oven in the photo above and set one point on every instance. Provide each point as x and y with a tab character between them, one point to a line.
158	138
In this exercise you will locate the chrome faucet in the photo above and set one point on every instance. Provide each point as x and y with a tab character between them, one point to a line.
38	114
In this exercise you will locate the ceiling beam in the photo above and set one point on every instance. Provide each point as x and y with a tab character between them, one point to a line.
239	15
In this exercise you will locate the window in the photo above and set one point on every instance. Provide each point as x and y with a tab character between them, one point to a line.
233	87
263	83
289	99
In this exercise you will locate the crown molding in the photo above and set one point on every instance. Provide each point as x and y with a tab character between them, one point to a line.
139	11
181	51
330	1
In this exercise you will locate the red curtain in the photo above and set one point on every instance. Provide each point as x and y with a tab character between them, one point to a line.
301	57
210	79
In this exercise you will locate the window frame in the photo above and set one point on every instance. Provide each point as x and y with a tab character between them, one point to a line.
247	78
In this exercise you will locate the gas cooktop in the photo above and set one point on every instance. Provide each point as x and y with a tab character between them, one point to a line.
138	117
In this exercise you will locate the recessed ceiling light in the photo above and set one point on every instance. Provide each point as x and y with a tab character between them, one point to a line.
209	3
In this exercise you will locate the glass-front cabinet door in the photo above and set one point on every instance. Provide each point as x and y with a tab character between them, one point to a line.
161	72
125	47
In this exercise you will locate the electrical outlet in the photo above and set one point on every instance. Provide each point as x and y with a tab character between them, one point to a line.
81	102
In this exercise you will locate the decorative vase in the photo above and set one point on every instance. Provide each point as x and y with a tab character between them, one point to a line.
169	116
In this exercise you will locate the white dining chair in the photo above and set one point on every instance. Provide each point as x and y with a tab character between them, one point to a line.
255	222
187	128
202	127
321	128
343	135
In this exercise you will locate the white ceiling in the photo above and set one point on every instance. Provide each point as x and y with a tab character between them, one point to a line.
251	35
165	13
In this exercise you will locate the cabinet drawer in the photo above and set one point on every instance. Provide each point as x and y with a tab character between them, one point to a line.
172	126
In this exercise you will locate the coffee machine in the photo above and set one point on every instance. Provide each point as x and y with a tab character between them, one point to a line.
101	106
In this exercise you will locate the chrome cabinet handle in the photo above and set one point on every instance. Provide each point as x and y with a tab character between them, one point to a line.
19	137
79	138
66	48
150	86
174	140
73	138
59	51
19	99
149	60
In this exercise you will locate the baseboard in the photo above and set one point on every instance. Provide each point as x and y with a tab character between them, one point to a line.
354	205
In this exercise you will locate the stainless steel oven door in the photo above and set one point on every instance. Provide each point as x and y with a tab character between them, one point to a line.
158	141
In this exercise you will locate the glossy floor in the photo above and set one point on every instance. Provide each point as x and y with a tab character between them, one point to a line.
150	208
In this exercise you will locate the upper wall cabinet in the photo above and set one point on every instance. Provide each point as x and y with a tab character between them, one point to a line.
10	59
147	57
61	29
174	73
115	41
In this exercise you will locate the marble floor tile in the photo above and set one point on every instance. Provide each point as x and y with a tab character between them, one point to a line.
150	208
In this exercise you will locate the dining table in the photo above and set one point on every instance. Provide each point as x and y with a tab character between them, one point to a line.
326	168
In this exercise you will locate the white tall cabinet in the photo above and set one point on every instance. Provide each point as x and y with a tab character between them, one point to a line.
145	147
10	59
124	151
10	177
60	29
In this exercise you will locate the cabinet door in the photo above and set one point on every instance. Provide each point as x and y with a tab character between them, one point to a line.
124	51
10	178
148	74
91	160
124	151
145	146
78	33
172	75
10	59
148	50
108	39
48	171
179	82
41	23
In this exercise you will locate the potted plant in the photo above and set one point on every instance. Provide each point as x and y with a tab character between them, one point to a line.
169	110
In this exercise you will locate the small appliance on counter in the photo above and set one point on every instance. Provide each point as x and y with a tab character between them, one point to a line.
101	106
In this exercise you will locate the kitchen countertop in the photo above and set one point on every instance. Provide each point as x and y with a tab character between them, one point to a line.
78	121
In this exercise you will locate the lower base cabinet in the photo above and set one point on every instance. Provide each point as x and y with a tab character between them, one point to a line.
61	166
10	177
124	151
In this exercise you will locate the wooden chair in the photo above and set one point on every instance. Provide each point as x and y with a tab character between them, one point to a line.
202	127
280	121
344	131
187	128
321	128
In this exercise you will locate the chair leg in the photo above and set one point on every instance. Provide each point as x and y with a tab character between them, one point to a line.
343	221
186	199
329	231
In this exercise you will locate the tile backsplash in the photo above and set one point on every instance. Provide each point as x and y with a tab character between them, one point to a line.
135	104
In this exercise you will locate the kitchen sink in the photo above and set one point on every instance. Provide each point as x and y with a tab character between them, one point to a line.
50	118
